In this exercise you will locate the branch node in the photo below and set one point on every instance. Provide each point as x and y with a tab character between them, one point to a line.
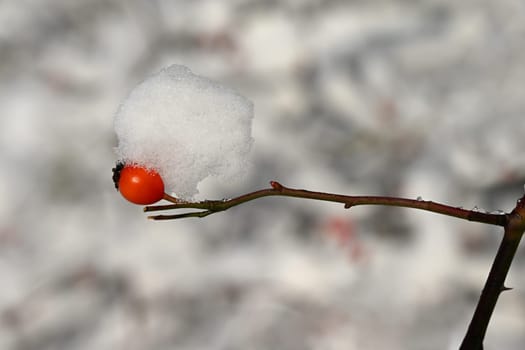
348	205
276	186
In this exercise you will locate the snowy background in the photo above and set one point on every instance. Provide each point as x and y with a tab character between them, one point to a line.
363	97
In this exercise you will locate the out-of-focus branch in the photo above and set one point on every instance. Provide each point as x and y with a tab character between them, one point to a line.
213	206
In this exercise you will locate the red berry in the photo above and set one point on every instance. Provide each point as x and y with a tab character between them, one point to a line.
140	185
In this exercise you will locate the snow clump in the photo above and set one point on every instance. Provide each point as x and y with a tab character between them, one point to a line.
187	127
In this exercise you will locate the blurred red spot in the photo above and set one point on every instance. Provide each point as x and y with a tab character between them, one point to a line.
342	230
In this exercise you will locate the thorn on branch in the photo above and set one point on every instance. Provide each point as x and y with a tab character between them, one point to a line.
504	289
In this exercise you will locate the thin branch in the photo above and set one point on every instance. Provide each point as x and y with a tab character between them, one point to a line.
209	207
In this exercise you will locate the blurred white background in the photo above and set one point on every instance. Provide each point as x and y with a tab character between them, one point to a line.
357	97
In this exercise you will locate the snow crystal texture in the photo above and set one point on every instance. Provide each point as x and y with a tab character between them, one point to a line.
186	127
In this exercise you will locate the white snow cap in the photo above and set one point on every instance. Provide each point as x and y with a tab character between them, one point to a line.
186	127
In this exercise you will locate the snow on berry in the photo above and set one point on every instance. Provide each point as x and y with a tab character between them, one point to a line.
187	127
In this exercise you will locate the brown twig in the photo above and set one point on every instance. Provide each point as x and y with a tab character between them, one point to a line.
209	207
